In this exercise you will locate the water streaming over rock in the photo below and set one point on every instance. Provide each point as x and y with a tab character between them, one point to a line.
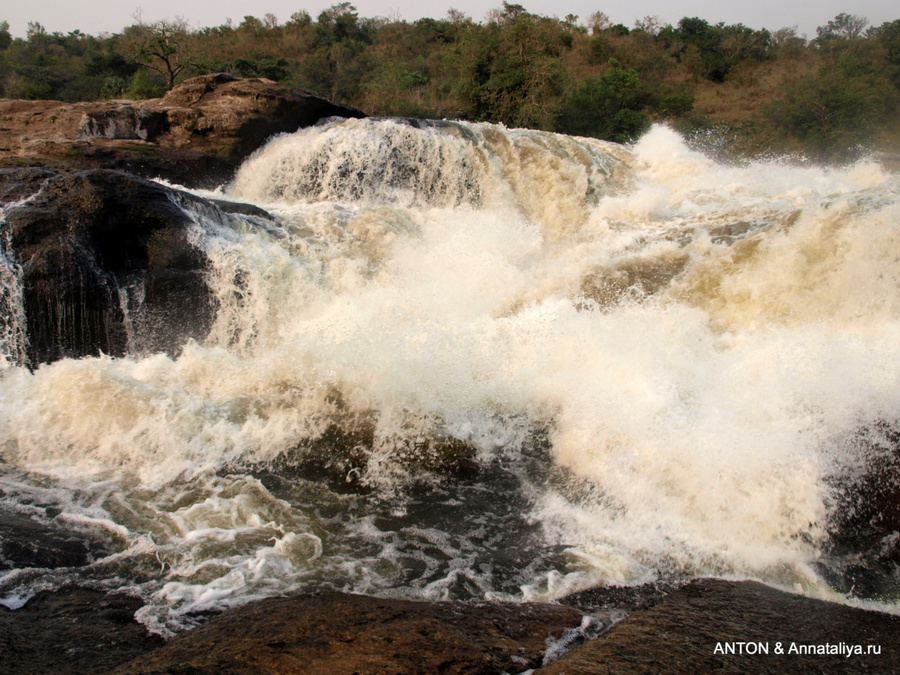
468	361
13	337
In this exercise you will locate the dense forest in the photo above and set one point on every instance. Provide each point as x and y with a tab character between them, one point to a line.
740	91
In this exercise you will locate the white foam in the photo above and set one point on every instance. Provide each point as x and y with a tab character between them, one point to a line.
692	337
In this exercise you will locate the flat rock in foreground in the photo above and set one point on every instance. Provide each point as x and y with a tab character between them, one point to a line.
339	634
692	628
73	631
707	626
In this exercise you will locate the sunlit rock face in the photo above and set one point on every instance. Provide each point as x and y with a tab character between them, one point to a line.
197	134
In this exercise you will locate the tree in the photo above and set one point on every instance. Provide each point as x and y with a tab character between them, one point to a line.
651	25
739	43
712	51
512	69
597	22
163	46
299	21
833	115
5	37
34	31
340	23
142	88
842	27
610	107
888	34
391	90
785	42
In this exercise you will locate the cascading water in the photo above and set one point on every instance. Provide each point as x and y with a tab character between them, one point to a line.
13	336
468	361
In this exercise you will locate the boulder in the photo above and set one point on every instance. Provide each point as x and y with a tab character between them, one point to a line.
707	625
107	263
717	626
195	135
335	633
28	542
74	631
862	552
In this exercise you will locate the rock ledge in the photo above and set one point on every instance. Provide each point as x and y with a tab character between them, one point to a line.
196	135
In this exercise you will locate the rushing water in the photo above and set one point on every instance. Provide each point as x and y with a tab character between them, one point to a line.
468	361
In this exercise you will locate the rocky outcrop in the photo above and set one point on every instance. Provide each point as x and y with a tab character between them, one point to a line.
340	634
25	542
92	247
706	626
107	263
196	135
862	553
715	626
74	631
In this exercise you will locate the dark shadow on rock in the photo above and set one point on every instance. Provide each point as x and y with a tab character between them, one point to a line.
73	631
85	241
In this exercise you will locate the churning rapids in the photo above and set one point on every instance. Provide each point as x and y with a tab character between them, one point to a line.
473	362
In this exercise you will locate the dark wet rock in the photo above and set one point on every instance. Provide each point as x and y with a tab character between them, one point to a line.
862	553
705	626
25	542
242	208
682	632
71	631
19	184
93	244
624	599
634	277
337	633
340	455
196	135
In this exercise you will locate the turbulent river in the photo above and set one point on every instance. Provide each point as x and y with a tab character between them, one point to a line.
472	362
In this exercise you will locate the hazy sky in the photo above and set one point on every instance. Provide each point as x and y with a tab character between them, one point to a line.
97	16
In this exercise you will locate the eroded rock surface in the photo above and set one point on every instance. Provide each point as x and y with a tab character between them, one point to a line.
690	630
706	626
196	135
89	244
73	631
340	634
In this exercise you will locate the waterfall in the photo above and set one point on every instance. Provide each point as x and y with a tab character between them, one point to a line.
465	361
13	334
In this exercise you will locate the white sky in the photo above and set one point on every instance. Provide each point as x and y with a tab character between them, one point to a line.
98	16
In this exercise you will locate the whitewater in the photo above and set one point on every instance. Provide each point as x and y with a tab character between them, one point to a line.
464	361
